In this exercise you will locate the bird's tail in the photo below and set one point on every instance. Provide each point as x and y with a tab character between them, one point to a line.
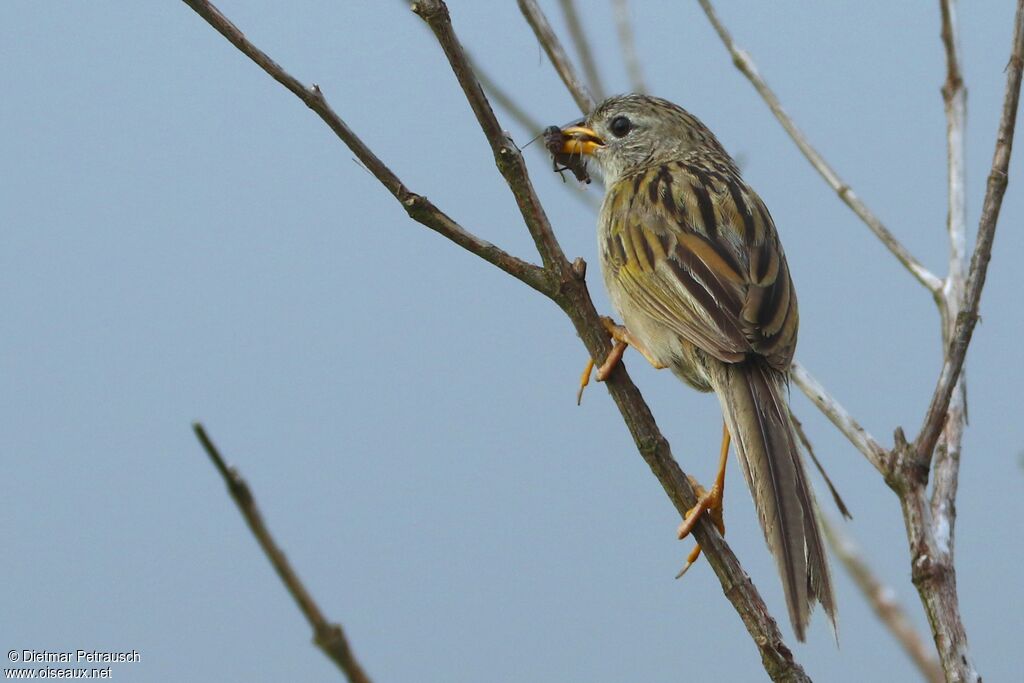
753	398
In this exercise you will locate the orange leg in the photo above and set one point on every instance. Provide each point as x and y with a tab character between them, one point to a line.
707	501
622	338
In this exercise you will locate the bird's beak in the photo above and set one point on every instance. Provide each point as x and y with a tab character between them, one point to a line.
580	140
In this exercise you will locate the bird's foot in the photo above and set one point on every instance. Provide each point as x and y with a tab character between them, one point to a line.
621	338
709	502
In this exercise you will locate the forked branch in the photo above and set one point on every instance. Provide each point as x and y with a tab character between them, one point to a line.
562	282
967	318
419	208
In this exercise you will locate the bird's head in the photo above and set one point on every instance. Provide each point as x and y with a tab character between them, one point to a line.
628	133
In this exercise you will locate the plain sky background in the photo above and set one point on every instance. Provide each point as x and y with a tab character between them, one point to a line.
181	239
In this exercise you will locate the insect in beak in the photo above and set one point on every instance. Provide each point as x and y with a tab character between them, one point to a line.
569	147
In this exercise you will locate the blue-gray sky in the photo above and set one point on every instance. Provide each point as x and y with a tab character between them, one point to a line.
182	239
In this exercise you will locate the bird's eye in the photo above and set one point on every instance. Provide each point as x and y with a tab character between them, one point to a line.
619	126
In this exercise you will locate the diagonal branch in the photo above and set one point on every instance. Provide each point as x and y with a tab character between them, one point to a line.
582	45
627	40
883	600
556	53
846	423
328	637
747	67
419	208
967	318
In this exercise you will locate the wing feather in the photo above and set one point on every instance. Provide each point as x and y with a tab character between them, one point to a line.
697	251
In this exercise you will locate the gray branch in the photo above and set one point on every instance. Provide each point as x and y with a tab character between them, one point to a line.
747	67
556	53
329	637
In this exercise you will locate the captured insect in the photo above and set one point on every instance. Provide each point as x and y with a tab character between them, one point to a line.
554	140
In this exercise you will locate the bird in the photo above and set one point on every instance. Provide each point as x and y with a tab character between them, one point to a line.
692	262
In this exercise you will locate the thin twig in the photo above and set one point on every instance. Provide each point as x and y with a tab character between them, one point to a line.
858	436
627	40
506	101
809	447
882	599
328	637
747	67
564	284
556	53
582	45
967	318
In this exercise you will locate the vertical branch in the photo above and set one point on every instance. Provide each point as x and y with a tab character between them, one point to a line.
929	527
995	189
954	97
328	637
582	45
627	40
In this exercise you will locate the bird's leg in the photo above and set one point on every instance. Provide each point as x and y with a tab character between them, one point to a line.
622	338
707	501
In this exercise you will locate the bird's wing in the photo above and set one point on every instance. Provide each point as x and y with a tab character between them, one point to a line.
696	249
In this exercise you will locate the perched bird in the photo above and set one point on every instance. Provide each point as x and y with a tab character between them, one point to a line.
693	263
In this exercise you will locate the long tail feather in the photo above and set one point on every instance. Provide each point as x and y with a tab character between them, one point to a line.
753	399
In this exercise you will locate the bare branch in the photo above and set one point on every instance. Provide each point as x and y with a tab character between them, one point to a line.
747	67
627	40
418	207
328	637
845	422
506	154
954	96
882	599
946	466
505	100
967	318
568	289
809	447
582	45
935	580
556	53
